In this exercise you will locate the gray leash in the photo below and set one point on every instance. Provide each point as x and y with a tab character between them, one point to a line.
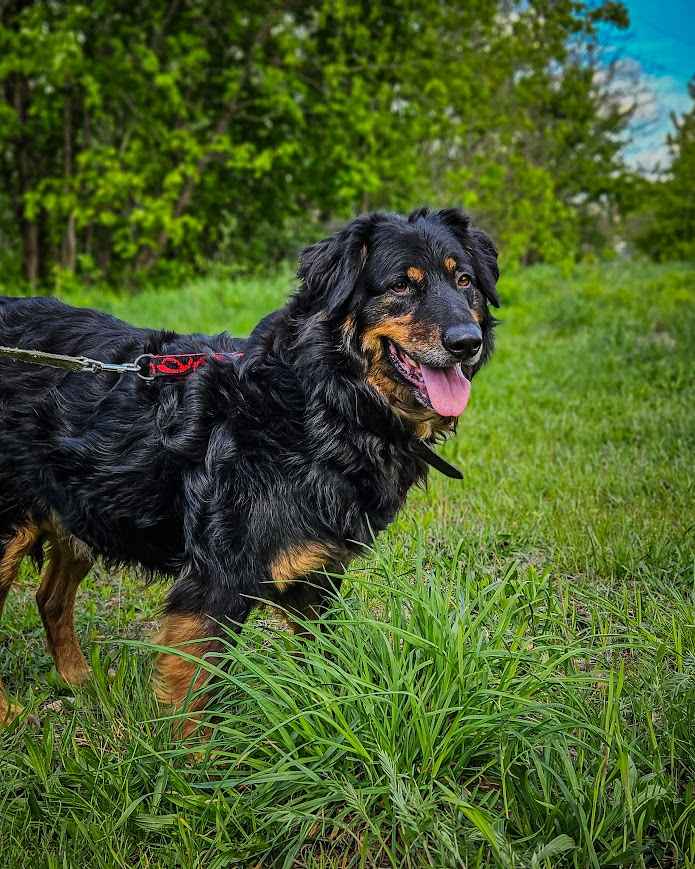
72	363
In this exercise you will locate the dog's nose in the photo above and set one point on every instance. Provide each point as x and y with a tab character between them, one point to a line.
463	340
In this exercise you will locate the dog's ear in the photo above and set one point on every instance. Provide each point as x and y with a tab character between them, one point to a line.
480	246
485	256
418	214
330	268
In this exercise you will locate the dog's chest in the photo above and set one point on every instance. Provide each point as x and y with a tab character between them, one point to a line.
379	491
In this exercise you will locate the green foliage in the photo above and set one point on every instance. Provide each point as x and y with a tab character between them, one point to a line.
508	679
667	208
135	143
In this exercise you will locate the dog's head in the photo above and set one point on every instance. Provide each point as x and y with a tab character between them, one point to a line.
409	298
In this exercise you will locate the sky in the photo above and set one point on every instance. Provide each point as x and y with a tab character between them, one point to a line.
660	46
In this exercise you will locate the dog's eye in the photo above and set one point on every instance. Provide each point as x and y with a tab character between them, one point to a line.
463	282
400	287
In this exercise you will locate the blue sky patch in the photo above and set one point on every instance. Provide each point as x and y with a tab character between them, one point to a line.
660	47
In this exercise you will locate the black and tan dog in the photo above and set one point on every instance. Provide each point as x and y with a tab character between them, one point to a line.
241	480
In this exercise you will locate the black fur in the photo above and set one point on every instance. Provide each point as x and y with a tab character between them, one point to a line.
209	478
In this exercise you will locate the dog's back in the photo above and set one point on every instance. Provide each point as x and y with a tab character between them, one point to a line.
49	325
40	404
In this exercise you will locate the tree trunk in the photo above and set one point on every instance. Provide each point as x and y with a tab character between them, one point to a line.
31	260
87	144
29	229
69	252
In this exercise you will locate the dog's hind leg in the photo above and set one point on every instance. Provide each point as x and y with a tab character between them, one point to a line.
12	552
64	570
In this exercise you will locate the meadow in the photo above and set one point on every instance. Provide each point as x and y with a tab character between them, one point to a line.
508	678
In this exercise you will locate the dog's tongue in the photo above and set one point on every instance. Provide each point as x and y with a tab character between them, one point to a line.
447	388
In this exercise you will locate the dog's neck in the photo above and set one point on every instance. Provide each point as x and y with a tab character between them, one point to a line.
348	424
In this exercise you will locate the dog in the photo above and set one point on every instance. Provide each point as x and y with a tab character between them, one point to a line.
243	483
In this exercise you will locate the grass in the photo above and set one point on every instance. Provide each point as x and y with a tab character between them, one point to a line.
507	680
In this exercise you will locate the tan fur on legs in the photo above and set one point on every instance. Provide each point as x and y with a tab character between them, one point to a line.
175	676
15	550
8	711
62	574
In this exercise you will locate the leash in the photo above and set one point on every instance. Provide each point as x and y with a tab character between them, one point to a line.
148	366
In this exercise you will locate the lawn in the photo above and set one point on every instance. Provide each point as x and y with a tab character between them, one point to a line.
508	678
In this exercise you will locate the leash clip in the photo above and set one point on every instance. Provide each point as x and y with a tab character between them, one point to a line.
142	364
96	366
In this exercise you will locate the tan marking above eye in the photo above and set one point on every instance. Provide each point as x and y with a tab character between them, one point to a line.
416	274
449	263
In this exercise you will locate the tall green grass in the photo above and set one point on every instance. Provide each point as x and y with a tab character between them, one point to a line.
508	678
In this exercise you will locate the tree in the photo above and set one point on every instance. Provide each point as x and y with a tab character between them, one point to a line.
132	144
668	205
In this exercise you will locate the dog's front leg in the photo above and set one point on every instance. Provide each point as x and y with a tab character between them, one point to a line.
191	638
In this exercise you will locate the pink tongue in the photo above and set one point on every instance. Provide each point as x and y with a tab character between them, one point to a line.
447	389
